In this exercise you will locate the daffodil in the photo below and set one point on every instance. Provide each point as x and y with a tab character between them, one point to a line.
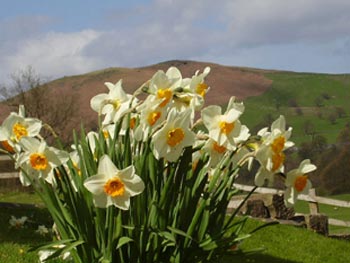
42	230
191	93
17	222
45	253
151	116
215	151
297	182
113	104
163	84
91	138
111	186
270	153
39	160
170	140
225	128
15	127
198	84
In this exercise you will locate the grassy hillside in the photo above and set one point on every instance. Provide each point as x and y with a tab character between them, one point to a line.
303	97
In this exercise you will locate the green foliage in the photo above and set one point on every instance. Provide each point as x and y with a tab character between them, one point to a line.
335	175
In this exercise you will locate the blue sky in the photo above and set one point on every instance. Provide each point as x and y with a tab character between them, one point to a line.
64	37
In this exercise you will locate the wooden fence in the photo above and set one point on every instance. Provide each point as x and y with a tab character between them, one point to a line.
312	199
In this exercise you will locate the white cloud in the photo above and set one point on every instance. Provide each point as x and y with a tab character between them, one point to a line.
299	35
53	54
274	22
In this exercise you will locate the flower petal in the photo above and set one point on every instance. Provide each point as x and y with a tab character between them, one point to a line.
95	183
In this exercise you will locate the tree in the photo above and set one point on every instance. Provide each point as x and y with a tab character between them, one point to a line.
309	128
30	90
335	176
319	101
332	117
344	136
340	111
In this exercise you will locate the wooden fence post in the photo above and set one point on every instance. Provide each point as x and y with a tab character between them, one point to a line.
313	205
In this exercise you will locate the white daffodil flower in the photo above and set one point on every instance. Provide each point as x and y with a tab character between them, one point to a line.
297	182
225	128
162	85
215	151
39	161
44	254
170	140
17	222
192	92
151	116
111	186
15	127
42	230
91	138
113	104
197	84
270	153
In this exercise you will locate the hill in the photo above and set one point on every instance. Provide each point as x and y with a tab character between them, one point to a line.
225	81
319	101
315	105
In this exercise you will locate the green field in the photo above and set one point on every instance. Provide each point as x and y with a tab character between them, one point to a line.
302	89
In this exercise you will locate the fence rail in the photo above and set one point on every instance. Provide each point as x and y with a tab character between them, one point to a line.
312	199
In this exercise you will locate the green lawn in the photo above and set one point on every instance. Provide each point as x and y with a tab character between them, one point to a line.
340	213
20	197
14	242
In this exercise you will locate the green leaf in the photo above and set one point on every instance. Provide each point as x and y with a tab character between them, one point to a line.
122	241
209	244
65	249
179	232
50	245
168	236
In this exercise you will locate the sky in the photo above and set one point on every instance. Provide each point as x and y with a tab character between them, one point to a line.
70	37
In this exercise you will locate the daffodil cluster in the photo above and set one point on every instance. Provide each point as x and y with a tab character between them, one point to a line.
169	118
154	182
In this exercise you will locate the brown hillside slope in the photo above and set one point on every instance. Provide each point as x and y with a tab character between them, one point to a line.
225	81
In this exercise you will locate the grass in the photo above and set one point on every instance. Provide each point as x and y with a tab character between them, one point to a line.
281	243
14	242
286	244
304	88
20	197
340	213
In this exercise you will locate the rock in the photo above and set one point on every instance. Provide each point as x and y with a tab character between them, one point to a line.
257	208
319	224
